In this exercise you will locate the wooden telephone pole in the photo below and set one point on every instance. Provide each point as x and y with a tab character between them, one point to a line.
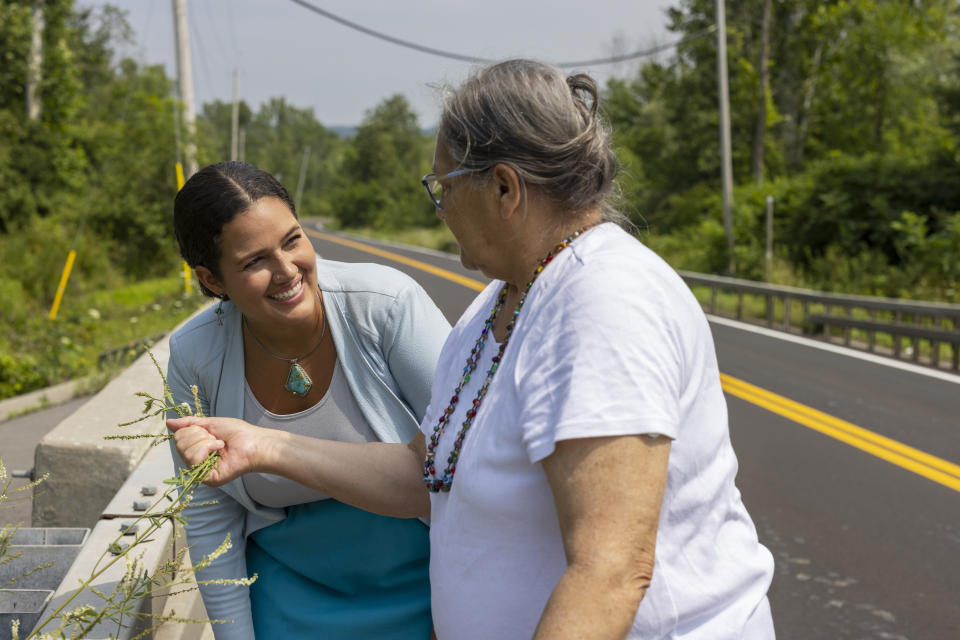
185	75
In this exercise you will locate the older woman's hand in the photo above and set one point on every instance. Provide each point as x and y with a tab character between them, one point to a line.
237	441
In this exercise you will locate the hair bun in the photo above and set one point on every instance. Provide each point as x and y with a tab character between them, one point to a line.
584	91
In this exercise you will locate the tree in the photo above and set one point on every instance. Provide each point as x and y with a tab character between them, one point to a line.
379	181
845	110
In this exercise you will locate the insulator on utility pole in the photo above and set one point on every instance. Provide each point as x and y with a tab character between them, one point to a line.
185	75
724	98
35	62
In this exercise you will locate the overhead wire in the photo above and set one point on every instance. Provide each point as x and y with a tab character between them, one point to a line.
213	24
475	59
233	30
201	49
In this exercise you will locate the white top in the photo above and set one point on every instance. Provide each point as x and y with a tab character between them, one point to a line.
609	342
335	417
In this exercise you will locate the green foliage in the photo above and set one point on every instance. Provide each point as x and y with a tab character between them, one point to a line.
275	139
41	352
100	157
379	182
861	133
18	375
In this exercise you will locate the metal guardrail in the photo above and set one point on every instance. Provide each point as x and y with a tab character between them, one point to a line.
928	328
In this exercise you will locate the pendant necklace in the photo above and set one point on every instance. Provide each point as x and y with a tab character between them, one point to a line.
445	481
298	381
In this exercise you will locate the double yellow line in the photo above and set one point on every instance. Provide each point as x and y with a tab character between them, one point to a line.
470	283
919	462
906	457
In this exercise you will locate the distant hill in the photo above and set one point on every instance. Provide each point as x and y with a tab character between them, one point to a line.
345	131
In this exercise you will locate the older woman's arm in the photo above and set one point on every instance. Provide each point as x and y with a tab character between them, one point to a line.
381	477
608	493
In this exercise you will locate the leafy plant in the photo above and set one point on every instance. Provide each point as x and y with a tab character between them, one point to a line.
121	605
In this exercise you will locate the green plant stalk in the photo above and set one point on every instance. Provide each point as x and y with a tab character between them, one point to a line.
186	483
137	583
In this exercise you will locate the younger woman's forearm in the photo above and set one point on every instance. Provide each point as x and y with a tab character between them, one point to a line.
380	477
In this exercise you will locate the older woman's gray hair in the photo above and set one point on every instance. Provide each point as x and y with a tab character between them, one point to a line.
547	127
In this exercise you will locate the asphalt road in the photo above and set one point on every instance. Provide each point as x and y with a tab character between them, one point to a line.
18	439
864	549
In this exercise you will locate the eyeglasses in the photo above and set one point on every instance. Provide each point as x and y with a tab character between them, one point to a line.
431	182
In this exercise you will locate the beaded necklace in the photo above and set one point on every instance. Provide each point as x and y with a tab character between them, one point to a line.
445	481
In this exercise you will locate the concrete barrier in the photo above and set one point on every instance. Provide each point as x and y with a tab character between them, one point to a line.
86	471
22	605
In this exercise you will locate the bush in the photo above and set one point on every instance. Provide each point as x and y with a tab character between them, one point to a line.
872	225
701	248
34	255
852	204
19	375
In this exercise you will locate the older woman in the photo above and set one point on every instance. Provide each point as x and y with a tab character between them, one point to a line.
576	450
309	347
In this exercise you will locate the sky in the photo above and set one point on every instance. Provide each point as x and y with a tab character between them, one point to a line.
282	49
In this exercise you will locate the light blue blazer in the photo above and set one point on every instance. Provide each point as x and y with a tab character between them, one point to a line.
388	335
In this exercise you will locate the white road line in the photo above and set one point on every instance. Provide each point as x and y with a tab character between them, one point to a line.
833	348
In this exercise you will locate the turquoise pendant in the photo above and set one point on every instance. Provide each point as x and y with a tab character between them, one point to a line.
298	382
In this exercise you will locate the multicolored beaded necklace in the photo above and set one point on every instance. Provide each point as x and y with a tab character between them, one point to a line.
445	481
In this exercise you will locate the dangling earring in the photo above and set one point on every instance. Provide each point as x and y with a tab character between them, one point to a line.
219	312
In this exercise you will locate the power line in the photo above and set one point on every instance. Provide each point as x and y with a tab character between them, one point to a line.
465	58
195	38
643	53
233	32
221	49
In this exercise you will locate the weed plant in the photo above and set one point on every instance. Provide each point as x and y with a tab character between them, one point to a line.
123	606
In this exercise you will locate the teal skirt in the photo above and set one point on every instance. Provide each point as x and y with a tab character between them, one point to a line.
335	572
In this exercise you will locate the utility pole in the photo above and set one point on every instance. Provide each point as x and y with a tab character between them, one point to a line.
727	167
35	62
235	120
302	178
768	253
185	74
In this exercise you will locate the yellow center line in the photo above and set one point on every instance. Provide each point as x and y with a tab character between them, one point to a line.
931	467
919	462
470	283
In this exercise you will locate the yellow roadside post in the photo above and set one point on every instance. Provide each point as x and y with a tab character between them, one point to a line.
63	283
186	267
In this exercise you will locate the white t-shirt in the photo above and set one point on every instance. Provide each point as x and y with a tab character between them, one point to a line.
610	342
